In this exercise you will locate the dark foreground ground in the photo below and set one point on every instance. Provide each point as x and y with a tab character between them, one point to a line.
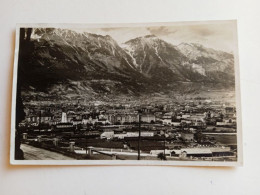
33	153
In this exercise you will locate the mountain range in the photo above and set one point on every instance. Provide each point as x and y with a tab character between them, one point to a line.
64	62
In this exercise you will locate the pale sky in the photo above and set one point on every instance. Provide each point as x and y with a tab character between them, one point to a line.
218	36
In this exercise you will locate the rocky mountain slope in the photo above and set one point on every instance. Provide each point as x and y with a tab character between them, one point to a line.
185	62
64	62
209	59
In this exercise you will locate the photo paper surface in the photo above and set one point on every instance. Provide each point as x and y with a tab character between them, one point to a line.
126	94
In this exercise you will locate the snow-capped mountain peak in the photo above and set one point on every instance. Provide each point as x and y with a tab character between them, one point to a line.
145	62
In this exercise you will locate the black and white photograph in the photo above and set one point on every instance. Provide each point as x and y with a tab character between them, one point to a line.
127	94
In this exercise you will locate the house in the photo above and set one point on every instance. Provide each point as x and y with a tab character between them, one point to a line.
107	135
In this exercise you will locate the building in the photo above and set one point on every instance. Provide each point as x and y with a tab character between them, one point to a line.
64	117
123	118
225	124
41	118
90	120
196	152
107	135
185	116
230	112
148	118
76	122
133	134
167	120
63	127
187	136
120	135
176	124
143	134
205	152
103	121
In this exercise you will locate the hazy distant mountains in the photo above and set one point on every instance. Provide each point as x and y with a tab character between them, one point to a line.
58	61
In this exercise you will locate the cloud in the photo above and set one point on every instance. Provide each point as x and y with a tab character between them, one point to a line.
202	30
107	29
213	35
161	30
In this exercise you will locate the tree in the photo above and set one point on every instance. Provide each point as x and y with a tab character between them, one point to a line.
161	156
25	46
198	136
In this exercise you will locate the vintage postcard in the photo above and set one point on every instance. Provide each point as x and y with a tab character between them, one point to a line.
126	94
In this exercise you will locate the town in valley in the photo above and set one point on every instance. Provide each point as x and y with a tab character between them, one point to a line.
193	129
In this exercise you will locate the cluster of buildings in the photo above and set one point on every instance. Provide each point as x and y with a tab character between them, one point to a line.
174	123
190	115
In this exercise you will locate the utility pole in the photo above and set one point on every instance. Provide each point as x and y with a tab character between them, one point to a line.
139	137
40	116
164	143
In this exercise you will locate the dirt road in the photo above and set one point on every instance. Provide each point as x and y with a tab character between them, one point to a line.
33	153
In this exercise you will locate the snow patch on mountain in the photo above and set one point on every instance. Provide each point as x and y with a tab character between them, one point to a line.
156	52
199	69
130	51
195	50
